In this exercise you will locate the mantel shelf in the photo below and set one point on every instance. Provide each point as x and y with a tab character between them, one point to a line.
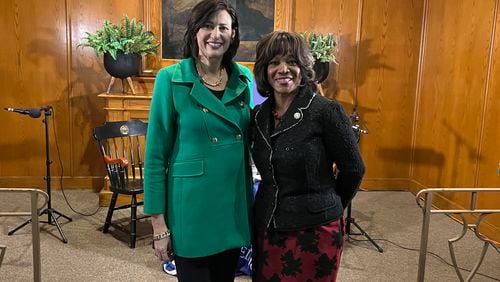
123	96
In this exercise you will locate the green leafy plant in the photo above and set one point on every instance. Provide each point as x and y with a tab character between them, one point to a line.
129	36
321	45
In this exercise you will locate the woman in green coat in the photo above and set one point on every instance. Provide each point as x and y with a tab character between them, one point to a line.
198	183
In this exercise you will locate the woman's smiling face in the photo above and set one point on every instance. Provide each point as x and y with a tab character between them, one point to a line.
283	74
214	37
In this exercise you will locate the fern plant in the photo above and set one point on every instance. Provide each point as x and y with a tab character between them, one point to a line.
130	36
321	46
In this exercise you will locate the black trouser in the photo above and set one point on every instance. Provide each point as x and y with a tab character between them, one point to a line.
220	267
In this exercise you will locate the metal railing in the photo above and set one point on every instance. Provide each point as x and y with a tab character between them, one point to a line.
424	201
35	228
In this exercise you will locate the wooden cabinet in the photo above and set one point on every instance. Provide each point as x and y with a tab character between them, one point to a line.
126	106
123	107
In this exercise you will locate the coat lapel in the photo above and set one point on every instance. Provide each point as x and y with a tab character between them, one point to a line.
295	113
186	73
237	83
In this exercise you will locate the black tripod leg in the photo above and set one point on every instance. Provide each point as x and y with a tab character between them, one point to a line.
62	215
348	220
25	223
19	227
63	238
348	230
367	237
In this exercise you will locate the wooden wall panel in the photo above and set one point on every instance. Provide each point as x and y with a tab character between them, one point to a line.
452	95
386	80
386	64
340	18
488	174
42	65
88	79
33	74
452	125
489	158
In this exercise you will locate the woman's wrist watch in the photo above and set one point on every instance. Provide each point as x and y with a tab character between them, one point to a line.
161	236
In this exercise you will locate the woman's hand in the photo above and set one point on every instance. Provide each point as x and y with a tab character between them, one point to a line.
161	238
163	249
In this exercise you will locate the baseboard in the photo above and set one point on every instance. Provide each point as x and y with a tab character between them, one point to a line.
79	182
385	184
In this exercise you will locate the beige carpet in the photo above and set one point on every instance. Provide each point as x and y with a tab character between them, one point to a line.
392	218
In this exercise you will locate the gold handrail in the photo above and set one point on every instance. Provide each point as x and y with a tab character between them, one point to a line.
424	201
35	228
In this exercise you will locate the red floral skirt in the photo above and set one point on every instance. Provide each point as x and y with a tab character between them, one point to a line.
306	255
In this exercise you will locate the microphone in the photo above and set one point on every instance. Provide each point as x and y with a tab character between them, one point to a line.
34	113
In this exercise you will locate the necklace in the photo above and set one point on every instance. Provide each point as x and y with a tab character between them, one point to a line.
276	115
203	79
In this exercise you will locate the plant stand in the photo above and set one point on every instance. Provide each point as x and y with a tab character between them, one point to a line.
320	89
123	68
129	81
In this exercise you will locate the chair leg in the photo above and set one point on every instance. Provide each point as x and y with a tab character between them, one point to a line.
133	221
111	209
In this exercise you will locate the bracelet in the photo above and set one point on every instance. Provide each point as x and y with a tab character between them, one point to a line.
161	236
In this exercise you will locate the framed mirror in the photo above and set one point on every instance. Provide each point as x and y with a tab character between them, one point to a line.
167	20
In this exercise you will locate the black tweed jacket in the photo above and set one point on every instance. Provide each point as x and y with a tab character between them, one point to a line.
299	189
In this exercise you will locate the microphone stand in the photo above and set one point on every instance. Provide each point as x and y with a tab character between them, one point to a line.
51	213
349	219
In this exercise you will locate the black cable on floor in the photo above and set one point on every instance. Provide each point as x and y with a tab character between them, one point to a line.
429	252
62	173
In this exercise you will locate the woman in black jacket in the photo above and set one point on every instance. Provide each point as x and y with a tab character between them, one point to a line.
298	136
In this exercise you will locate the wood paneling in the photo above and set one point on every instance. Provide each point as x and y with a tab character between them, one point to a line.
33	74
88	78
452	126
452	96
382	78
386	76
41	65
488	174
340	18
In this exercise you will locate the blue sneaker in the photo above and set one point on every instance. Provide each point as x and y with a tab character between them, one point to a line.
169	268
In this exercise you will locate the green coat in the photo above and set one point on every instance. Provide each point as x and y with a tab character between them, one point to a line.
197	167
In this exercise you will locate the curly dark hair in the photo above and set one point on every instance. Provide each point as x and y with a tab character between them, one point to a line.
202	13
283	43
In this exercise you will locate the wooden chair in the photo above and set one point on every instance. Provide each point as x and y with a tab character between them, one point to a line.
122	146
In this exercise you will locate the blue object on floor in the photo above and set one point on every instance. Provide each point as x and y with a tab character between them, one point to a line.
169	268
